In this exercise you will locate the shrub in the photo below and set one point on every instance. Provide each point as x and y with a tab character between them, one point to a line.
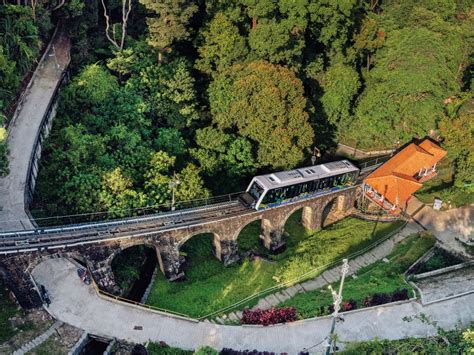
273	315
400	295
348	305
380	298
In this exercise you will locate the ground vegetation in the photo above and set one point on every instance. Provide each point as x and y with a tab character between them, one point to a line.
209	286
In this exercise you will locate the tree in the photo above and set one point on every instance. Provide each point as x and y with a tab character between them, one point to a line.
157	178
277	32
126	9
369	38
117	195
223	45
171	141
169	23
191	185
340	84
405	90
265	104
332	22
458	134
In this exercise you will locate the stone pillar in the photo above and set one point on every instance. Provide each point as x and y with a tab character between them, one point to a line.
227	252
311	218
99	261
104	276
272	236
18	280
170	261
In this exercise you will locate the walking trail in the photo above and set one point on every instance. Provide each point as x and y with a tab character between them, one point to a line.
24	129
77	304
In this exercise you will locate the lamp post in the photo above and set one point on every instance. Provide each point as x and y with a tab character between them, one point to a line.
173	183
337	298
316	154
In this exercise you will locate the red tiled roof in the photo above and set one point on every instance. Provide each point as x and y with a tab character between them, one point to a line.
395	179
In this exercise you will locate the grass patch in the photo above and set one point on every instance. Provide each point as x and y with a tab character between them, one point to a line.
458	341
441	186
378	277
161	349
209	286
439	260
8	309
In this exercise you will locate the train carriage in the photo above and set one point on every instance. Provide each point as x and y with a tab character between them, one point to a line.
270	190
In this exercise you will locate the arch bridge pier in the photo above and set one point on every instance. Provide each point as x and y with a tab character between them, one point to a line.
317	212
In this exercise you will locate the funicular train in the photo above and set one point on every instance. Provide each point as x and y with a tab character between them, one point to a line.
270	190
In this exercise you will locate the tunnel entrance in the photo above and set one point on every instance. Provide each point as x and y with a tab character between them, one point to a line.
133	270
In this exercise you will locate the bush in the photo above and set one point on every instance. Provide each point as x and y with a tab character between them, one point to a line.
348	305
400	295
273	315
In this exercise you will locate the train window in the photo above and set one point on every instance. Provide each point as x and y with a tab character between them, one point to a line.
256	191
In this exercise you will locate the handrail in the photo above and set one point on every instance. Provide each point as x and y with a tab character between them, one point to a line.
269	290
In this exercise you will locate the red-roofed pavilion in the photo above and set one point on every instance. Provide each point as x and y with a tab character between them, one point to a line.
393	183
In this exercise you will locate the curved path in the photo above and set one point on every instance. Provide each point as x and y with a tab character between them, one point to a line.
78	304
23	131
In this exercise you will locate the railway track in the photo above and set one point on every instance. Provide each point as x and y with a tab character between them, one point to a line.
87	233
59	237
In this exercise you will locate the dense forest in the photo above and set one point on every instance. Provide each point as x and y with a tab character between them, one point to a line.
208	92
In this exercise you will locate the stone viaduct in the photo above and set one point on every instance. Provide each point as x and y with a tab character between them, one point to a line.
316	213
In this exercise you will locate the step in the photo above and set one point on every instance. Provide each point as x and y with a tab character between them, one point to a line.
314	284
282	297
291	291
272	300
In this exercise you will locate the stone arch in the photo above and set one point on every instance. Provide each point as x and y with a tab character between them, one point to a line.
330	213
130	285
242	226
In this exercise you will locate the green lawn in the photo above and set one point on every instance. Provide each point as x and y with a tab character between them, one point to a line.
209	286
458	341
8	309
442	187
378	277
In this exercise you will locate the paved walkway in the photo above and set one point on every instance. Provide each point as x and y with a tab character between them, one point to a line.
38	340
23	131
77	304
445	225
329	276
446	285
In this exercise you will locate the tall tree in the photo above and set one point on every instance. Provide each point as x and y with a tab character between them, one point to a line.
264	103
169	22
223	45
111	32
458	134
340	83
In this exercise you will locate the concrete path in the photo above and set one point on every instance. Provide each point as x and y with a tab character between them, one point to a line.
447	226
38	340
446	285
77	304
329	276
23	130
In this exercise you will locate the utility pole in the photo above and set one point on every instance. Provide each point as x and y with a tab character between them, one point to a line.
316	154
337	298
173	183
